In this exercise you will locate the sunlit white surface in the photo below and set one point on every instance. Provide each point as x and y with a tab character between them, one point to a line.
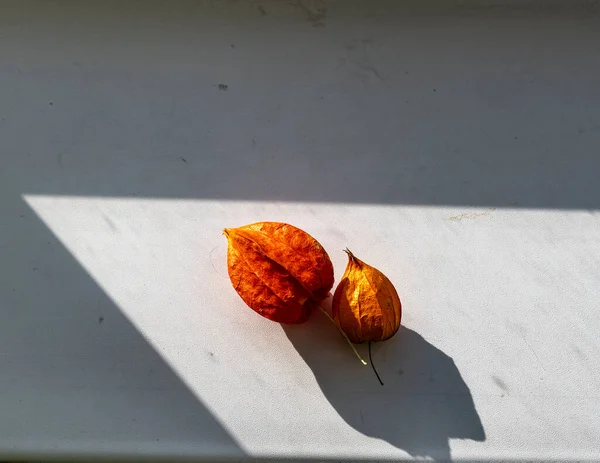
505	293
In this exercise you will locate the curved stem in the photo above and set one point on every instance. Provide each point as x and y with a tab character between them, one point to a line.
343	334
373	365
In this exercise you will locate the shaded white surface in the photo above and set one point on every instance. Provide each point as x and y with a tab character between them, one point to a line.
454	148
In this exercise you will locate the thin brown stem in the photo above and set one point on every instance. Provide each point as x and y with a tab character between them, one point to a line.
373	365
343	334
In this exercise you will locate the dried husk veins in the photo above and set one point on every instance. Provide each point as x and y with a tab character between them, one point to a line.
366	305
279	270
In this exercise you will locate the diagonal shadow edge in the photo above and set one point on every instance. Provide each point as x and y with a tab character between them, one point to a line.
77	371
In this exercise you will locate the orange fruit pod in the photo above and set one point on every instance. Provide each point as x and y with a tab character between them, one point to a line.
365	304
279	271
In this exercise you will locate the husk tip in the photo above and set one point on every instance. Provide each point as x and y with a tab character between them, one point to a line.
351	256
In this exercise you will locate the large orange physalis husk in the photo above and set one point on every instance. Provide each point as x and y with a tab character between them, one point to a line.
280	271
366	305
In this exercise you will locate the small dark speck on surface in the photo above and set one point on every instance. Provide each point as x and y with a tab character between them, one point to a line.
501	384
50	103
518	329
212	354
316	16
434	90
100	320
516	138
232	45
110	223
34	269
576	349
400	371
223	87
21	215
262	11
183	159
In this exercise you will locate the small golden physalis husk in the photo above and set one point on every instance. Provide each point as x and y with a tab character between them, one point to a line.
366	305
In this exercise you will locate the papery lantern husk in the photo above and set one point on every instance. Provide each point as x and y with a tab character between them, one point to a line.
365	304
279	270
